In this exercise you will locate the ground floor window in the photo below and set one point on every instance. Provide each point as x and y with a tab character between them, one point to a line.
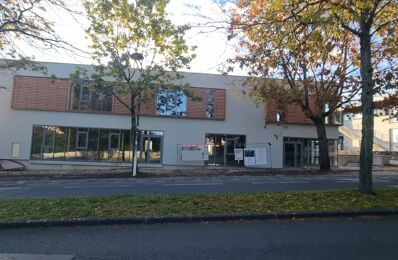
299	152
94	144
221	149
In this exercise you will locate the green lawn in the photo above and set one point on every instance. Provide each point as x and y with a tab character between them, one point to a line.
182	205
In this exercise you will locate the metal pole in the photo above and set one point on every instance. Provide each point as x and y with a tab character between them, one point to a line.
270	154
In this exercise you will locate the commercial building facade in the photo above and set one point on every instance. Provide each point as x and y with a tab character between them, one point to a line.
47	122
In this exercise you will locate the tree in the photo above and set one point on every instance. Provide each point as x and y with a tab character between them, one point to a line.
23	21
138	49
372	23
316	70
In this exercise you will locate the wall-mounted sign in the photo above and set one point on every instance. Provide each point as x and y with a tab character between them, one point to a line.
194	153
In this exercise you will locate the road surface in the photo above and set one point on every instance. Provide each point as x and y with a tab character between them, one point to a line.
180	185
303	239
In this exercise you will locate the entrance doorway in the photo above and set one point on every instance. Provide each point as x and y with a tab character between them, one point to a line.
293	154
150	147
222	147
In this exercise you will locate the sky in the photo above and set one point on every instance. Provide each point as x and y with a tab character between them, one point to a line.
212	51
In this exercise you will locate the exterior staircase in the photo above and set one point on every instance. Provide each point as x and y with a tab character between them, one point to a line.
379	142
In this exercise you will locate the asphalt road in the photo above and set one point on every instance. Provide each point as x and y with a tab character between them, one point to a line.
179	185
315	239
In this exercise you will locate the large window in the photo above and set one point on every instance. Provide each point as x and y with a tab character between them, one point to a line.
171	103
82	98
94	144
305	151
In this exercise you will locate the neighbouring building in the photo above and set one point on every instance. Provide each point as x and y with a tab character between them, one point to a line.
385	133
46	122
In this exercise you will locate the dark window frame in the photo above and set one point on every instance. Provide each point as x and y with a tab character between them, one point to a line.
80	87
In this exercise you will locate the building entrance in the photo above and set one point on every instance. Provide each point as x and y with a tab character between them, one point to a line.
222	147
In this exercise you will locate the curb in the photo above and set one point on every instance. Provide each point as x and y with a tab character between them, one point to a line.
9	177
199	218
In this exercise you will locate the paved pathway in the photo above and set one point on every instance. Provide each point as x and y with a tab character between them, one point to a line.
179	185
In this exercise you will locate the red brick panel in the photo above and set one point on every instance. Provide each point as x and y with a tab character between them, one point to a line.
148	108
196	109
293	115
220	104
39	93
118	107
271	114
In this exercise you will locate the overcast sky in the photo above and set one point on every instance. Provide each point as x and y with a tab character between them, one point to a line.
212	47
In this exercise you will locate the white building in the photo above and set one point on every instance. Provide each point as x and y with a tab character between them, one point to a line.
47	123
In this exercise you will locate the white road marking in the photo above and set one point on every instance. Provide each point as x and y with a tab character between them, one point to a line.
13	188
97	186
353	180
193	184
34	257
278	182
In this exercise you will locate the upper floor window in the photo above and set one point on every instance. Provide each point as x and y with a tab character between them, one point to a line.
171	103
210	103
82	98
393	119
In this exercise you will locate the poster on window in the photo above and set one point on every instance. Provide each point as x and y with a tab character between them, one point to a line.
238	154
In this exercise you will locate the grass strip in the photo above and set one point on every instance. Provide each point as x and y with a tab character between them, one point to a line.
192	204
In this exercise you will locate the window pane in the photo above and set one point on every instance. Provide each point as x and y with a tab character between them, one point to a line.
96	101
37	141
114	141
59	152
126	146
71	144
92	149
82	140
107	98
48	143
75	97
85	93
103	145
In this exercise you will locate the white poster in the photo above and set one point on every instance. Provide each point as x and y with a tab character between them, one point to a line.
238	154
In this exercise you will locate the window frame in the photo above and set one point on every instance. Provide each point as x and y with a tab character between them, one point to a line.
100	91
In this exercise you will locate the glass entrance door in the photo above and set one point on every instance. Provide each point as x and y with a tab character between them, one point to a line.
293	154
229	151
151	149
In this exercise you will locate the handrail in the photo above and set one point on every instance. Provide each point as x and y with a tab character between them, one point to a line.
351	132
22	167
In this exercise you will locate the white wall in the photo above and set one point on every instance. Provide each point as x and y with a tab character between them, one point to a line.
242	117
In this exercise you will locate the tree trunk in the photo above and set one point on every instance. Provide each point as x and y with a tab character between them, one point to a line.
133	130
366	155
324	159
